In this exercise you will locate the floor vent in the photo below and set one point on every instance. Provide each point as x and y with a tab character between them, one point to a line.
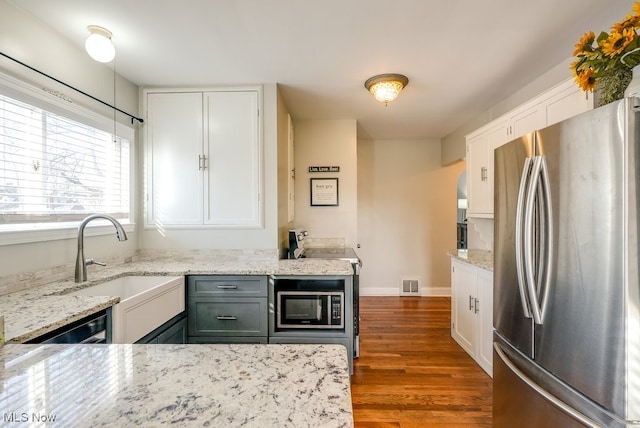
410	287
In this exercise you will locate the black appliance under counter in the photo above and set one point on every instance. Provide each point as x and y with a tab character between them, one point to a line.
348	254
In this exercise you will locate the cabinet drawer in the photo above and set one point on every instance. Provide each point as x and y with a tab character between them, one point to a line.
228	317
227	286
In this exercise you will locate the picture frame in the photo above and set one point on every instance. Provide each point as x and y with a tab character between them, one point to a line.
324	192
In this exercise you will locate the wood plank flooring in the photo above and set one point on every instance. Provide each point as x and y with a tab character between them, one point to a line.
411	373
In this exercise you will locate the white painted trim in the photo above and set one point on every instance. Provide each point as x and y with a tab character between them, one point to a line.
55	232
393	291
22	233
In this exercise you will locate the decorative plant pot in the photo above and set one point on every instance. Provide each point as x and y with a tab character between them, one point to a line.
611	86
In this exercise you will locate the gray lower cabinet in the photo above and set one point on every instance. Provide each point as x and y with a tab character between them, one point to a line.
173	331
227	309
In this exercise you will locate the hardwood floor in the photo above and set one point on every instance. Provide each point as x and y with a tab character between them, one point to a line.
411	373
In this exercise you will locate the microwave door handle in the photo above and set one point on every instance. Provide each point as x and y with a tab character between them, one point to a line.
519	228
529	236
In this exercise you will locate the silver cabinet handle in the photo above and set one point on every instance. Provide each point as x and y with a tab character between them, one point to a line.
483	173
202	162
226	318
470	302
476	305
228	287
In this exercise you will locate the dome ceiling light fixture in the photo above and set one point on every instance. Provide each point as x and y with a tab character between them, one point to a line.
99	45
386	87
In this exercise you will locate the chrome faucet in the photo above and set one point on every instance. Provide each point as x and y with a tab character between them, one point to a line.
81	262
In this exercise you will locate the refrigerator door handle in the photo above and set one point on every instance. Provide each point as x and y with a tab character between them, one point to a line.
547	256
529	237
540	390
519	228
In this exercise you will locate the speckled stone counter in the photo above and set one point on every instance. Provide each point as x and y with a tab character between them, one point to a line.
183	385
35	311
480	258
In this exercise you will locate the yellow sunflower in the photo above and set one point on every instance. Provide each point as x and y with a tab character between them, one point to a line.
585	43
636	8
616	43
631	21
585	79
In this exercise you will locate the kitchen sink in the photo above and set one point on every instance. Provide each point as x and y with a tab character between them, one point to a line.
146	302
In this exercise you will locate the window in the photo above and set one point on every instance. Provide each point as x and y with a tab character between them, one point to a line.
54	169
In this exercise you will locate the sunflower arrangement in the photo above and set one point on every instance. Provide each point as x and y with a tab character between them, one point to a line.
605	62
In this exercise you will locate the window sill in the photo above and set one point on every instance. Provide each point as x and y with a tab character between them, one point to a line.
56	232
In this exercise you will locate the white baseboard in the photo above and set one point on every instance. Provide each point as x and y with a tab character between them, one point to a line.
393	291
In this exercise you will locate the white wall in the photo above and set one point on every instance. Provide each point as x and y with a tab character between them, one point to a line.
407	206
327	143
454	143
37	45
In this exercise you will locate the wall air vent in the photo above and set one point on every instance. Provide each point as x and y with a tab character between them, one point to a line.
410	287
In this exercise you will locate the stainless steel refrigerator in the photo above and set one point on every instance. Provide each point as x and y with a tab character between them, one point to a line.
566	284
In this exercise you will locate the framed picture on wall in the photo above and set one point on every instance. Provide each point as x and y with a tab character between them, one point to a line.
324	192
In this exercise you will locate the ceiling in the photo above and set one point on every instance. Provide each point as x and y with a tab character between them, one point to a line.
461	56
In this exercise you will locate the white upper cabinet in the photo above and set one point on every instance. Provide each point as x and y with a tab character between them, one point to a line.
232	158
480	149
557	104
568	101
174	128
525	121
204	158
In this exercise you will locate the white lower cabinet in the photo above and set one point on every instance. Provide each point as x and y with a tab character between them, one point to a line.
472	311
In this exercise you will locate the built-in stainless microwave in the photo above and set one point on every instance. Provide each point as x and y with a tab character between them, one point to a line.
310	309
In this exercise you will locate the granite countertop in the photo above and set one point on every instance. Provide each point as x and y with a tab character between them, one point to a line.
480	258
200	385
35	311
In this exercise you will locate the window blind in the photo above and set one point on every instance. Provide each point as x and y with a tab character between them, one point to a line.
54	169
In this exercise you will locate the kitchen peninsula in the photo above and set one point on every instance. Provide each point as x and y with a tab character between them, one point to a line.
152	385
288	385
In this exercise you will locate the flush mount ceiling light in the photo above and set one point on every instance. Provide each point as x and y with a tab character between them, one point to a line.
98	44
386	87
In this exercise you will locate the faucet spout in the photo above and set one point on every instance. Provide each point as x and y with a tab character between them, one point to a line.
81	263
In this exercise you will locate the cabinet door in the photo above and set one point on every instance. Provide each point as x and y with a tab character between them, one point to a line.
290	171
480	150
567	103
233	157
496	137
174	143
526	121
484	355
176	334
478	175
463	327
